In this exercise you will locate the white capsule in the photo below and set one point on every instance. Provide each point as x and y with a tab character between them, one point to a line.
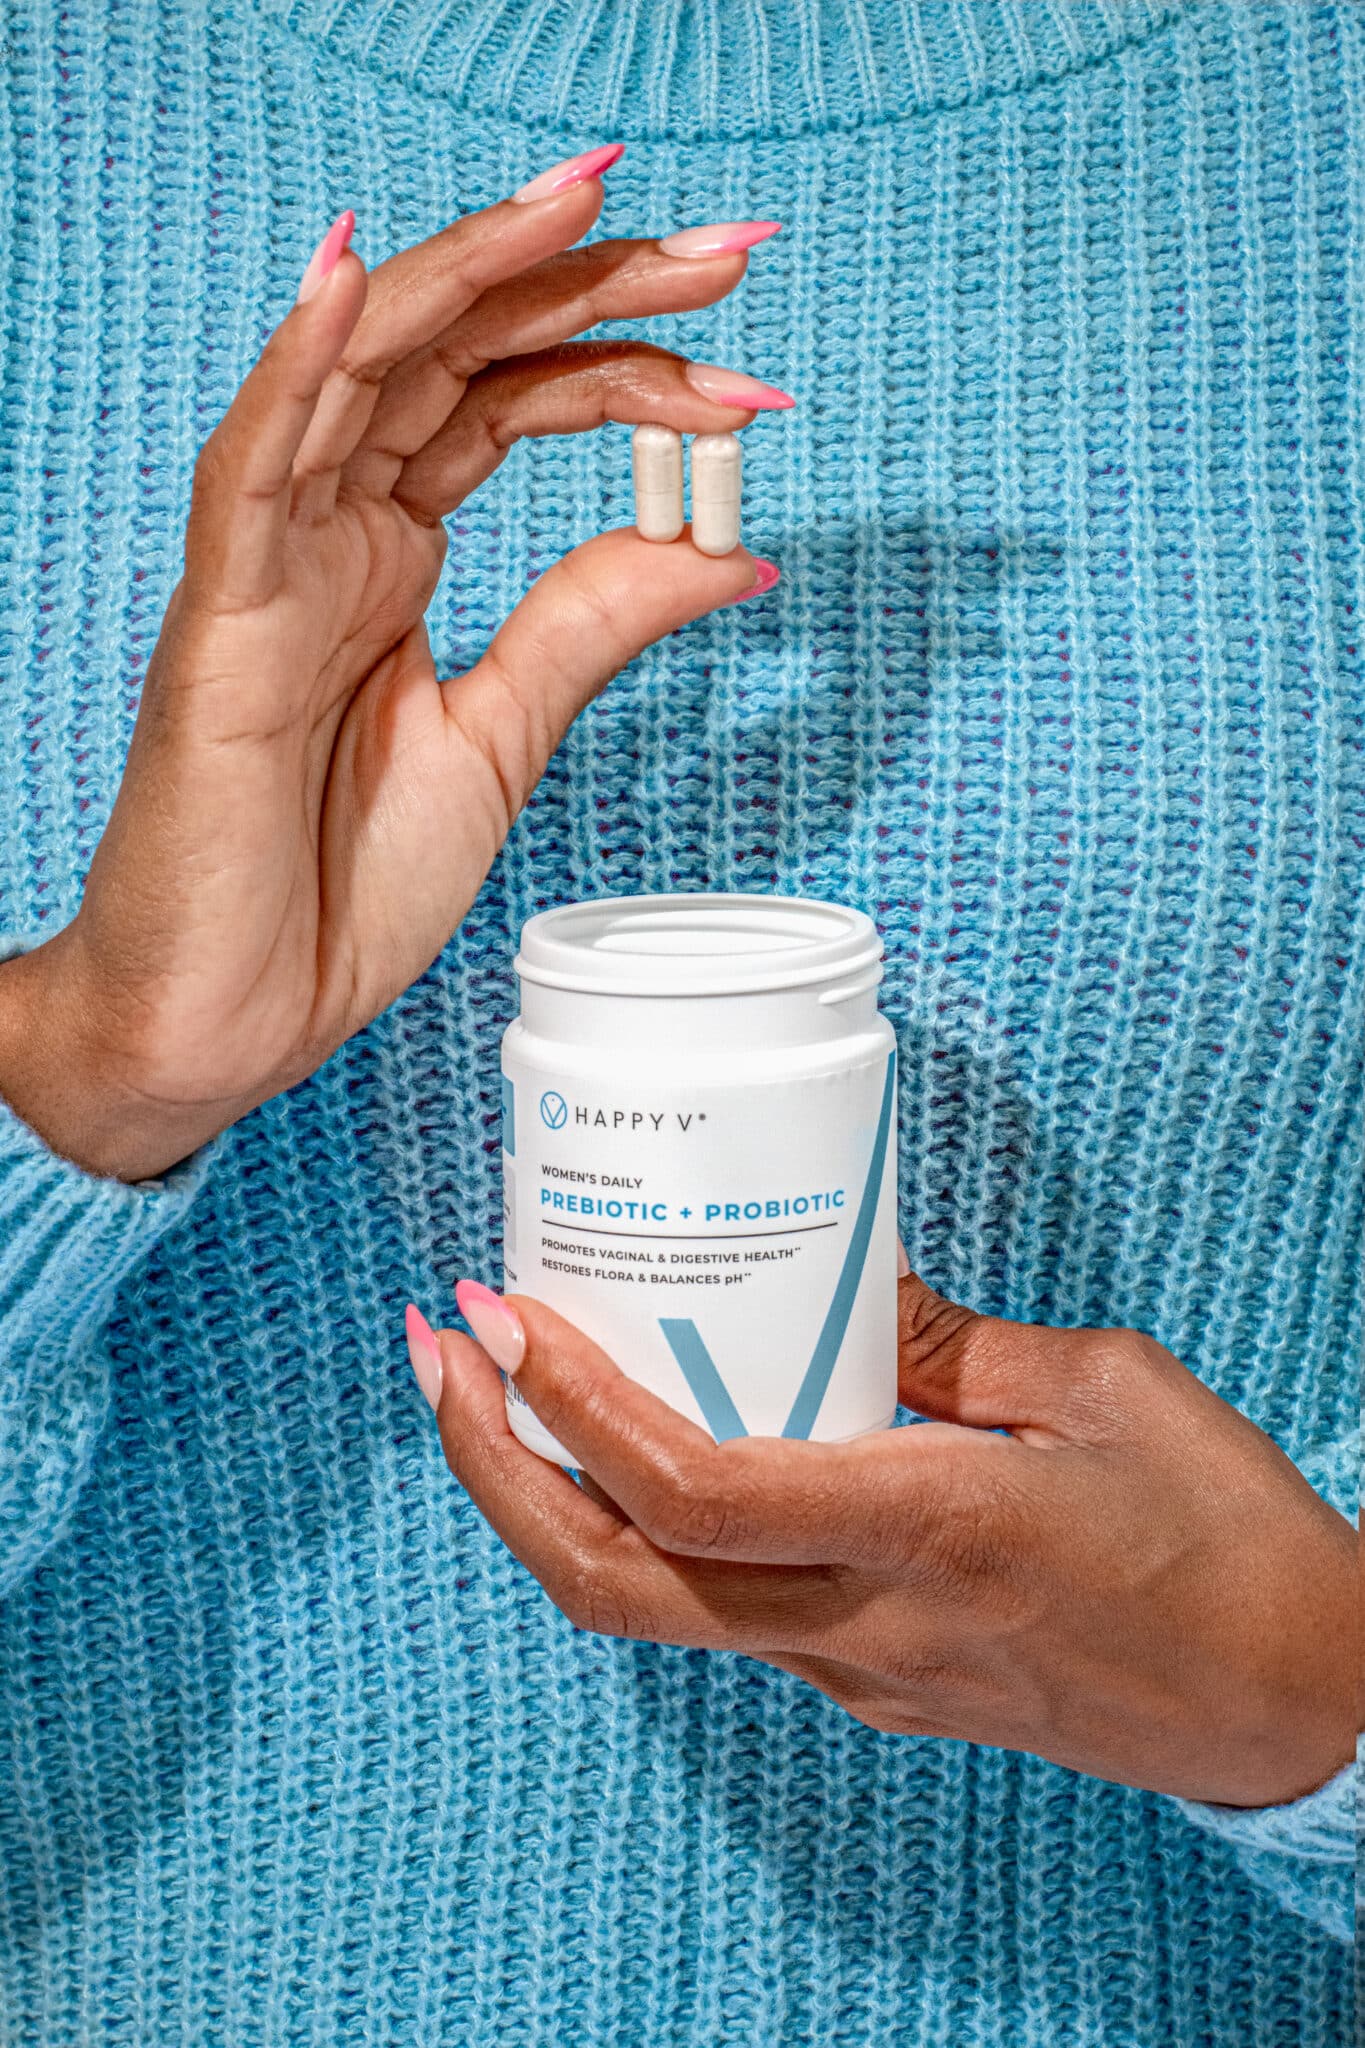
716	465
656	460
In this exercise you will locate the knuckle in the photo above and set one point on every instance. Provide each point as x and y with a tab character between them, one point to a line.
366	378
936	1333
480	1450
968	1539
595	1604
569	1588
1146	1354
1106	1370
565	1394
694	1517
463	364
489	413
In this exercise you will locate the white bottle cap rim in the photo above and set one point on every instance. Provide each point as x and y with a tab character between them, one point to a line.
700	944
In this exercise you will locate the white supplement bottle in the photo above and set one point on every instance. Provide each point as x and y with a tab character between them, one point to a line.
699	1156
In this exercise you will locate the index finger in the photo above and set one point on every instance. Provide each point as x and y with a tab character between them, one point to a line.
601	1571
773	1500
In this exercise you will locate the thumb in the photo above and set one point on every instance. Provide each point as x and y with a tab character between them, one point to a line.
957	1366
585	618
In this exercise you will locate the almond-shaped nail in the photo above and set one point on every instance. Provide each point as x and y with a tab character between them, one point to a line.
902	1260
575	170
425	1353
734	387
722	238
323	260
497	1327
768	574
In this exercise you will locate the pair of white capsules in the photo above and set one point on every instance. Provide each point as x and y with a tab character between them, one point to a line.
656	455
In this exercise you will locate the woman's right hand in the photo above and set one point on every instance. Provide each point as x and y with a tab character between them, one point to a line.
307	812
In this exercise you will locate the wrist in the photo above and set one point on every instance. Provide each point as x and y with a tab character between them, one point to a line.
1297	1777
56	1072
1314	1709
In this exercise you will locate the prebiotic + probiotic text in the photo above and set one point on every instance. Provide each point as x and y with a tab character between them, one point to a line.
699	1156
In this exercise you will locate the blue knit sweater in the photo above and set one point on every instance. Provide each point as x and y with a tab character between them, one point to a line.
1062	683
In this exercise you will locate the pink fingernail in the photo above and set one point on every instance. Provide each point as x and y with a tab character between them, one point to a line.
902	1260
768	574
425	1353
575	170
734	387
497	1327
722	238
323	260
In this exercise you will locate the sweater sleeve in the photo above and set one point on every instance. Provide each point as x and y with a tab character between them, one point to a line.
68	1240
1304	1853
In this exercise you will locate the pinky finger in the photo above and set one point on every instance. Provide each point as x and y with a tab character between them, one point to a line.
244	475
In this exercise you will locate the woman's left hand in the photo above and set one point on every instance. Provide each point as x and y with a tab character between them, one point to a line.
1133	1581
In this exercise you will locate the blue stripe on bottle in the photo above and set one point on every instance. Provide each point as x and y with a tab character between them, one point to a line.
699	1368
811	1392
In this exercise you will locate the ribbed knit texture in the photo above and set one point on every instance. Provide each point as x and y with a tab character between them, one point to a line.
65	1247
1062	683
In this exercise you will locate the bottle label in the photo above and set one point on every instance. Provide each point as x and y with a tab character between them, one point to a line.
732	1247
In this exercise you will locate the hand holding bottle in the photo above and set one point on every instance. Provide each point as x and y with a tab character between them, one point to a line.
1085	1553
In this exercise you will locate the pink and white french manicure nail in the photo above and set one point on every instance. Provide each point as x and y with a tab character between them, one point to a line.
737	388
575	170
721	238
496	1326
424	1353
326	256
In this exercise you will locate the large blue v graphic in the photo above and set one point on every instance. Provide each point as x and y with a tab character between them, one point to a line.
699	1369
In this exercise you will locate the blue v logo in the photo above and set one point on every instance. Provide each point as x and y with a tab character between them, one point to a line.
699	1368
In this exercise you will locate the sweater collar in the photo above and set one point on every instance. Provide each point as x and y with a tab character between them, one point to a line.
711	70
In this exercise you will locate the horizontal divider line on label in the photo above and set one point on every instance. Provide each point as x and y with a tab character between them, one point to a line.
688	1236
